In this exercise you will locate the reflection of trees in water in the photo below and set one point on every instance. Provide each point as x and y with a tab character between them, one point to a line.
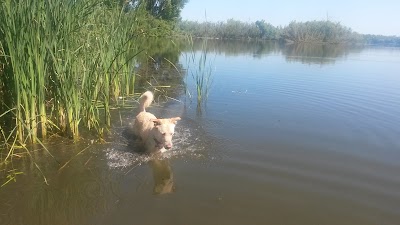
239	47
304	53
159	65
317	53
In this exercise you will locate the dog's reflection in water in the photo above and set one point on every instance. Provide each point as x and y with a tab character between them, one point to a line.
163	177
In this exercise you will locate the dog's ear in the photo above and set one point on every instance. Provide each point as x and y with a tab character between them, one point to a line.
175	119
156	122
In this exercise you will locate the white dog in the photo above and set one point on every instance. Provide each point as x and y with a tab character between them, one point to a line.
156	134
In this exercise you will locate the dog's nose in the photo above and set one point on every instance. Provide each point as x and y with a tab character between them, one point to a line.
168	146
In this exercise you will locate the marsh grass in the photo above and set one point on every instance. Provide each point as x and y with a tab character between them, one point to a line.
63	64
199	69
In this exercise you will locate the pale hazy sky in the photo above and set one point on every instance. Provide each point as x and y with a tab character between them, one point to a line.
366	17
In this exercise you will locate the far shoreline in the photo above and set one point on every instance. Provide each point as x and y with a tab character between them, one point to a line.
315	32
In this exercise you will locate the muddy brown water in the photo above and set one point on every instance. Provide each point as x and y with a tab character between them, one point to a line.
286	136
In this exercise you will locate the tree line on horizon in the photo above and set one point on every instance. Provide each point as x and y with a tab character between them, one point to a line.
310	31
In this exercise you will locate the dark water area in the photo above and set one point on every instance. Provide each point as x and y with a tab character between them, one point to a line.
287	135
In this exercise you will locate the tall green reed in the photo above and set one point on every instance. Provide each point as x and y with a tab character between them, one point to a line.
115	65
26	55
200	69
64	61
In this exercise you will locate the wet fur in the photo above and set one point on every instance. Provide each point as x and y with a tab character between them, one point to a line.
156	134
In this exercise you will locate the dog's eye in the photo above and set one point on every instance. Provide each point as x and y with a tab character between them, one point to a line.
164	134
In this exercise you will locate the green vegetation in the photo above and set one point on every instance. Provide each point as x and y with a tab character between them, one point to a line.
318	32
65	63
381	40
167	10
232	29
199	67
298	32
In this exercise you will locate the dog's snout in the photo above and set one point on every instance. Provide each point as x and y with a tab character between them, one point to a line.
168	146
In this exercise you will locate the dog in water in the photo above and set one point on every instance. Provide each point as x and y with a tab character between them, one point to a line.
156	134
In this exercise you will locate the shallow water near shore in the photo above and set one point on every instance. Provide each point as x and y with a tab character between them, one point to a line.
287	135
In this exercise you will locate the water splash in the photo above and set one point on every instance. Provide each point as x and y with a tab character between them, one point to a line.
187	144
117	158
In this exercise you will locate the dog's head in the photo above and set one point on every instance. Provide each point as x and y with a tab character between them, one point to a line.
165	129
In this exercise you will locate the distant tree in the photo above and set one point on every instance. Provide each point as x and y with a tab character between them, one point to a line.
318	32
168	10
231	29
267	31
381	40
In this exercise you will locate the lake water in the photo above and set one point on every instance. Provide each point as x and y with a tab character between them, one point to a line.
287	135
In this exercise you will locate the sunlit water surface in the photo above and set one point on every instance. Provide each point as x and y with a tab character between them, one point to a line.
284	137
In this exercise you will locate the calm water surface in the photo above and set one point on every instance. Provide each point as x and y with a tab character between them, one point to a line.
287	135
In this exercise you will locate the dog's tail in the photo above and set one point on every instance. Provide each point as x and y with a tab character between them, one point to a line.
145	100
